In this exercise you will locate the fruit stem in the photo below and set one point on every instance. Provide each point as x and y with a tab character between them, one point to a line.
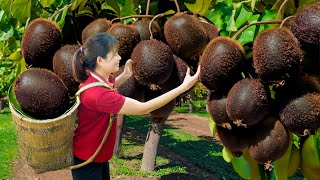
147	8
235	36
289	17
132	16
199	15
177	5
59	11
150	24
280	9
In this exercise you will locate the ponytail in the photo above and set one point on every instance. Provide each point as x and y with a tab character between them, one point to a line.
78	69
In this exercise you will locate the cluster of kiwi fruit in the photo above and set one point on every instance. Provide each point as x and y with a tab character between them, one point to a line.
160	60
261	109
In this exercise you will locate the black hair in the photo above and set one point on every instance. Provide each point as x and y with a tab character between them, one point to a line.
85	58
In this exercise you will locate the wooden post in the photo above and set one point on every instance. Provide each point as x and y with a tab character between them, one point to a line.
120	128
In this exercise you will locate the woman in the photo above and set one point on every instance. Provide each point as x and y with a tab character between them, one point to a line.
94	62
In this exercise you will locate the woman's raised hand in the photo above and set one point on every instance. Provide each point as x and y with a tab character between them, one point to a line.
189	80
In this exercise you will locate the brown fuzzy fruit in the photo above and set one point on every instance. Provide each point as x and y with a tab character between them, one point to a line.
302	115
221	64
96	26
216	104
211	30
185	35
143	28
271	141
306	26
153	62
62	66
40	41
248	102
236	138
128	37
276	55
41	93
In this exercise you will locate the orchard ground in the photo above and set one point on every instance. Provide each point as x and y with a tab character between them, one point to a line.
192	124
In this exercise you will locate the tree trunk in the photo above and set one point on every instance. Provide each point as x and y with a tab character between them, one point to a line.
120	127
151	144
190	102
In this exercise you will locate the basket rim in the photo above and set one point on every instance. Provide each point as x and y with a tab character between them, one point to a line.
44	121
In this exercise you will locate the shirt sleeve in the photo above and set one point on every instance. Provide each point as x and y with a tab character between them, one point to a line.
109	101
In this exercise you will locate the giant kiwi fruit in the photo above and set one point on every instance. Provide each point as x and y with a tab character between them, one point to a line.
153	63
62	66
306	26
276	55
40	41
96	26
211	30
216	105
271	141
143	28
41	93
302	115
248	102
128	37
185	35
221	64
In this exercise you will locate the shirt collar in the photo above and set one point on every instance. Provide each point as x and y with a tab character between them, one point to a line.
100	78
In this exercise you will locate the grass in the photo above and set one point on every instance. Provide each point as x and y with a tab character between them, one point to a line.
203	153
9	147
199	108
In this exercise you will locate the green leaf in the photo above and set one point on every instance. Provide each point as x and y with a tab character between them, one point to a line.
6	35
46	3
16	56
221	14
316	146
114	6
247	35
21	9
212	127
169	12
227	155
281	165
127	8
253	4
5	5
231	25
241	167
243	17
200	6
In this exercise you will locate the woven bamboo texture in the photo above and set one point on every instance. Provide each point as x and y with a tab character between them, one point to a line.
46	144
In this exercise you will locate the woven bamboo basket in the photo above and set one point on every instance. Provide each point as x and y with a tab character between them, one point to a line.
46	144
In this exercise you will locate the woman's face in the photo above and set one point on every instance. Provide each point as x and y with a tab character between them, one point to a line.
112	61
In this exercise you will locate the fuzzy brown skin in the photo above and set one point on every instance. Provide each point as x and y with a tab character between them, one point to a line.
181	67
40	93
40	41
152	62
163	111
276	55
62	66
216	105
128	37
221	64
235	139
306	26
96	26
271	141
143	28
294	89
248	102
185	35
211	30
302	115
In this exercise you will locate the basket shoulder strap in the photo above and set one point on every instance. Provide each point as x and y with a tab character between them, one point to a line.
93	85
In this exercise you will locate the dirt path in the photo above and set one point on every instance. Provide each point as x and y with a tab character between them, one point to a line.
192	124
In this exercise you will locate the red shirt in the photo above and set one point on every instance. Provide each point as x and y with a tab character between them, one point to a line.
97	103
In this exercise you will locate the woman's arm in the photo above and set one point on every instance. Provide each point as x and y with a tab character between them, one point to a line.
126	74
134	107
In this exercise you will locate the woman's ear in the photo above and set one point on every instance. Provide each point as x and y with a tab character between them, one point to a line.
99	60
